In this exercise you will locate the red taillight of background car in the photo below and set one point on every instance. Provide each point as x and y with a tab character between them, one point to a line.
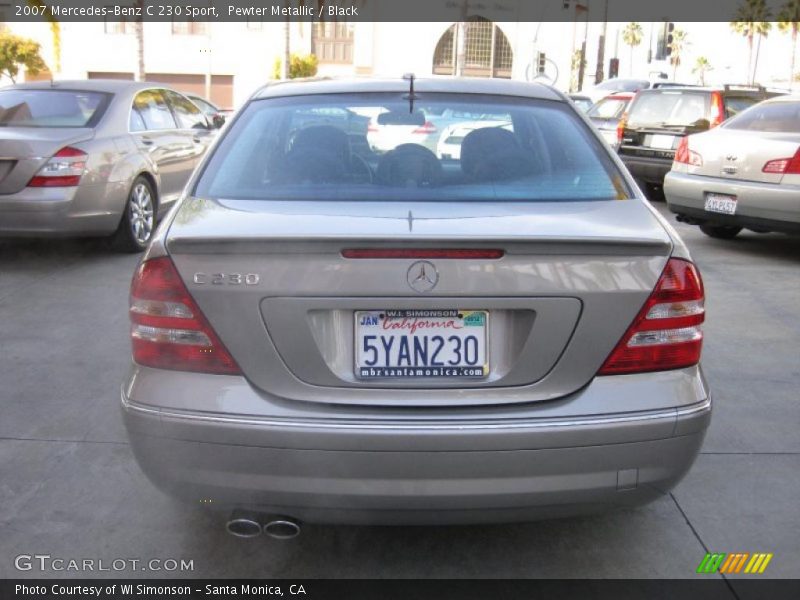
667	333
64	169
168	330
621	127
683	154
784	166
426	128
717	110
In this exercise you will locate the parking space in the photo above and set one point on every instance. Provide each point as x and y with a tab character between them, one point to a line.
69	486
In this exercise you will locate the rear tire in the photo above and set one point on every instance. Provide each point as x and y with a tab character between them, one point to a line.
721	232
138	220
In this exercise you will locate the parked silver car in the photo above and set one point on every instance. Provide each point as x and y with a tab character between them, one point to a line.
745	173
94	158
321	333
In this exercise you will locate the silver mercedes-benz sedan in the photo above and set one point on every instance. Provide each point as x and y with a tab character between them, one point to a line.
95	158
745	173
324	334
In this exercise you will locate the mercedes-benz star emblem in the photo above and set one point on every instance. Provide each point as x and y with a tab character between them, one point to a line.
422	276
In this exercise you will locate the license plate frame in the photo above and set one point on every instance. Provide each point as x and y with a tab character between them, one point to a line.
723	204
471	320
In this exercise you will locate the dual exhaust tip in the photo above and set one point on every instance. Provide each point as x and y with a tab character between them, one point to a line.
247	525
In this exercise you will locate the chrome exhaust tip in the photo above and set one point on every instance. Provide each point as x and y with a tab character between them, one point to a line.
243	526
282	528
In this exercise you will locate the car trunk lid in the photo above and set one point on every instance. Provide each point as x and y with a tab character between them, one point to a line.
272	279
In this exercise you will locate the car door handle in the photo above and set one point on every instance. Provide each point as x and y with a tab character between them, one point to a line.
147	141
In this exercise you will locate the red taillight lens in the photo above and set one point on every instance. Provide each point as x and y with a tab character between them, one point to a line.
784	166
683	154
666	334
717	111
168	330
475	253
64	169
621	124
427	128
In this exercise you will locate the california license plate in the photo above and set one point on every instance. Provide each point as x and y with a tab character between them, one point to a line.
663	142
421	344
721	203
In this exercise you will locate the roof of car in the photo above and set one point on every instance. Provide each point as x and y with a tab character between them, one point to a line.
453	85
89	85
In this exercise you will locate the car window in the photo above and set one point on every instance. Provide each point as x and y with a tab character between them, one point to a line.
608	108
772	117
736	104
187	114
136	122
51	108
204	106
368	146
668	108
152	107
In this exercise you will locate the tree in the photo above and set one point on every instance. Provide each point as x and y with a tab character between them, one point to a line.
16	52
632	35
752	19
139	30
299	66
701	67
789	20
676	46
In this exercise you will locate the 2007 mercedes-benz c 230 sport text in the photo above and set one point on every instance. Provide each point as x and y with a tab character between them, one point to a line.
334	333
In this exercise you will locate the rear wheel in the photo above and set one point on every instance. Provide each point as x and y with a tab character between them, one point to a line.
139	219
721	232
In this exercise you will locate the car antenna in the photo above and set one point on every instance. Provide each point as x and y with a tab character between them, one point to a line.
411	96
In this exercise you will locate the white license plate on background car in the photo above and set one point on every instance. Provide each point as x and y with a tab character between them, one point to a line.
421	344
721	203
663	142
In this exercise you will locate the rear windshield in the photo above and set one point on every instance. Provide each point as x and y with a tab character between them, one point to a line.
609	108
772	117
668	108
377	146
736	104
51	108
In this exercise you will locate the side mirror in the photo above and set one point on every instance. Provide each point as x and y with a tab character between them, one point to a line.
217	121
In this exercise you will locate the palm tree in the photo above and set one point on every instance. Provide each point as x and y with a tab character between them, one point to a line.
789	20
676	46
752	19
632	35
701	67
139	31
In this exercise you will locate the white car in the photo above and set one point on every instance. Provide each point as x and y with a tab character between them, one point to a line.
449	146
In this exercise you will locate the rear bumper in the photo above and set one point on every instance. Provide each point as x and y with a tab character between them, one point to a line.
759	205
82	210
650	170
507	466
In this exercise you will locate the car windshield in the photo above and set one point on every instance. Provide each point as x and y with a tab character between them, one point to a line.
668	108
51	108
608	108
771	116
376	146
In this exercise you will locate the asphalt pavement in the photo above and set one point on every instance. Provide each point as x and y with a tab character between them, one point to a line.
69	486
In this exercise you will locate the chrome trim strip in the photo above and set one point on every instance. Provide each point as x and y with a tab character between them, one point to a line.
672	414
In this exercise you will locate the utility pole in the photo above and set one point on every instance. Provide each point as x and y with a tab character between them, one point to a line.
461	40
601	47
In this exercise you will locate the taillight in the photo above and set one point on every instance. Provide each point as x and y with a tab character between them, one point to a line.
717	112
168	330
667	333
784	166
426	128
621	124
64	169
683	154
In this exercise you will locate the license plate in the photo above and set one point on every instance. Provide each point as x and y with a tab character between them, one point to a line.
663	142
421	344
721	203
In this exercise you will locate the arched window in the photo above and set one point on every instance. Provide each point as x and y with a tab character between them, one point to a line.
487	52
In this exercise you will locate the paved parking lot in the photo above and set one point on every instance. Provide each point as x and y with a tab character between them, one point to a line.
69	486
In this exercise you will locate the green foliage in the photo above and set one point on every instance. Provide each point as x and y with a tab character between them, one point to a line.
789	17
632	34
752	18
299	66
16	52
701	67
